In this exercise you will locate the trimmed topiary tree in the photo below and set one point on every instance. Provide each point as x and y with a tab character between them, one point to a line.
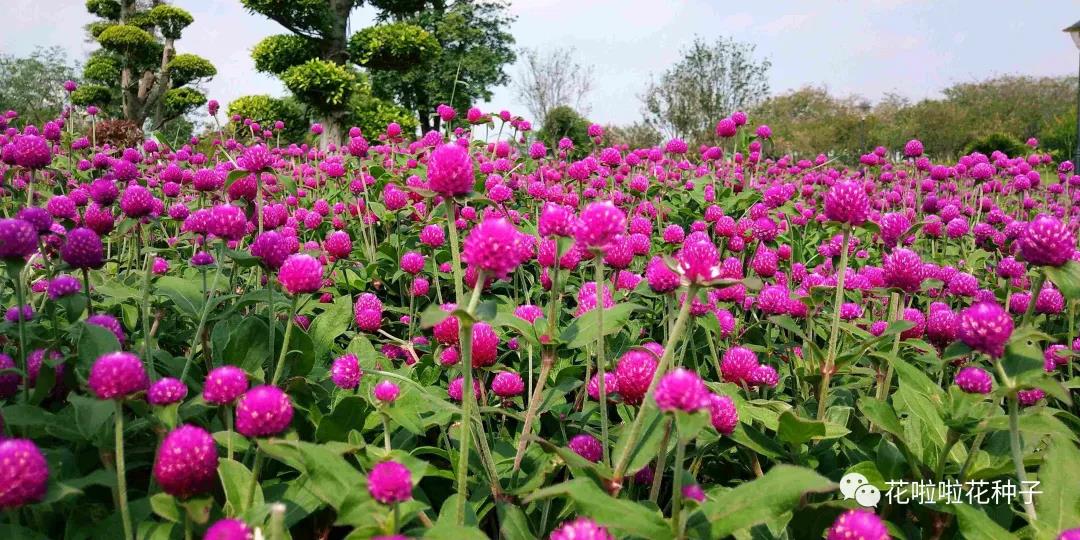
137	67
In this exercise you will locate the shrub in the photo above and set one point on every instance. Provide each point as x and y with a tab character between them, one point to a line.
276	54
320	84
185	68
988	144
396	46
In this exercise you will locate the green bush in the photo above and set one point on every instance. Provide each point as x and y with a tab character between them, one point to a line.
276	54
102	68
185	68
126	39
395	46
91	94
564	121
106	9
320	84
179	101
265	110
992	142
171	20
371	114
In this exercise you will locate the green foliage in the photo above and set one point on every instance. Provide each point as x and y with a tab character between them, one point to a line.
97	27
106	9
636	135
171	20
185	68
126	39
320	84
265	109
181	100
102	68
398	7
307	17
562	121
711	81
992	142
91	94
397	46
276	54
1059	135
372	114
33	85
476	48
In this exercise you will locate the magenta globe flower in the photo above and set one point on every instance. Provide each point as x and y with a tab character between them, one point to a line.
166	391
450	171
634	374
493	246
263	411
301	274
507	384
581	528
986	327
32	152
24	474
224	384
974	380
386	392
390	482
83	249
1069	534
599	225
681	390
723	413
699	262
117	375
587	446
1047	241
903	270
858	525
346	372
738	365
186	462
228	529
20	239
847	203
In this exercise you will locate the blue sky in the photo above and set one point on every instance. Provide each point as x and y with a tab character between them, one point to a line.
870	47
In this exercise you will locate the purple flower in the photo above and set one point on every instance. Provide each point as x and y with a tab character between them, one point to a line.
263	411
1047	241
507	384
117	375
723	414
633	374
224	384
858	525
974	380
109	323
386	391
986	327
600	223
228	529
63	285
390	482
32	152
346	372
166	391
83	249
587	446
301	274
19	239
581	528
450	171
186	462
847	203
24	474
493	246
681	390
738	365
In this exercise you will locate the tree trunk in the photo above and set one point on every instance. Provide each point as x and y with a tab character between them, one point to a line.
333	129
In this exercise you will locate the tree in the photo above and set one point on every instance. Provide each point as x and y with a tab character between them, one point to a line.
33	86
552	78
563	121
319	62
475	50
138	61
710	82
636	135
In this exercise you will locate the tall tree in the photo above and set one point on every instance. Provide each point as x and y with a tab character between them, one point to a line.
318	61
138	61
34	85
710	82
551	78
476	46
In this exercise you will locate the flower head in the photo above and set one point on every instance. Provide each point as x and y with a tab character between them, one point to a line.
301	274
117	375
224	384
450	171
1047	241
186	462
24	474
858	524
681	390
390	482
263	411
494	247
346	372
581	528
986	327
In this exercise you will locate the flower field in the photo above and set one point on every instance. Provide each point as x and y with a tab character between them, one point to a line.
477	334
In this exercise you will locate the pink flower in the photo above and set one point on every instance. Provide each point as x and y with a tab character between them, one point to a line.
345	372
681	390
186	462
600	223
450	171
858	524
390	482
24	474
494	247
386	391
507	384
117	375
263	411
301	274
224	384
581	528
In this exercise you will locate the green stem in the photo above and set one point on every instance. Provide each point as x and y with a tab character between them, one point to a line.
676	488
975	445
834	333
661	460
600	357
86	284
147	356
1018	454
20	300
1036	288
465	338
202	318
386	430
951	439
635	428
229	429
121	480
285	343
256	470
455	256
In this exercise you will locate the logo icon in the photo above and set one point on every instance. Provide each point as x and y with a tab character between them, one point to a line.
856	486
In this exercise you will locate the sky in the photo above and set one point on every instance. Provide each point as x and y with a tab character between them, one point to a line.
913	48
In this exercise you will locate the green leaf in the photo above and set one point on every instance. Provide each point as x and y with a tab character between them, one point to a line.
185	294
795	430
513	524
164	505
349	413
332	479
690	424
235	479
1066	278
654	425
330	324
881	414
975	525
450	531
94	341
248	346
432	315
1058	506
1023	355
233	176
616	514
91	415
585	329
763	499
487	310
